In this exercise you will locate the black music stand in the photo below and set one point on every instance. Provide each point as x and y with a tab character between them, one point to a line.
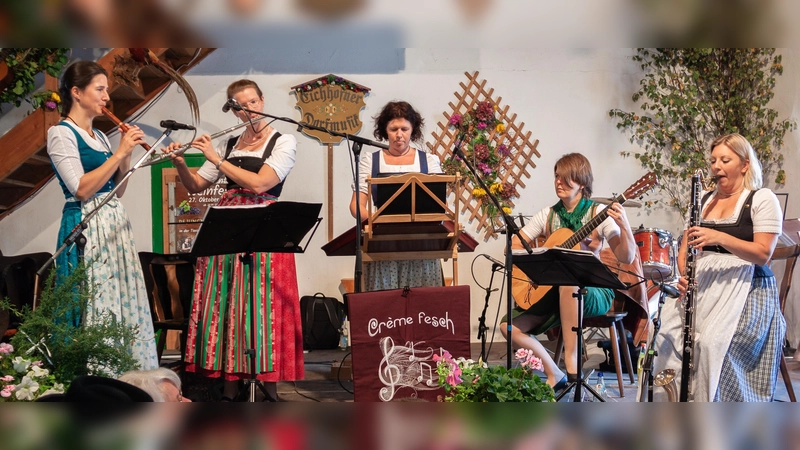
246	229
566	267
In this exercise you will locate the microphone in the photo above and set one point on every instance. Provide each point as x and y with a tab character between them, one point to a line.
670	290
496	262
172	125
231	104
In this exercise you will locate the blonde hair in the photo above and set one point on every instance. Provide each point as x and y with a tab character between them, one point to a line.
753	178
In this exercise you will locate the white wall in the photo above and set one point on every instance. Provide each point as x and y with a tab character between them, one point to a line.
563	97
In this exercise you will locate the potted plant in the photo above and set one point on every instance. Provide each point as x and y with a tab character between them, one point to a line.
465	380
48	351
688	97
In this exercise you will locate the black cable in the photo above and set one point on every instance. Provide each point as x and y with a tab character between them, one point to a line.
304	395
497	313
339	373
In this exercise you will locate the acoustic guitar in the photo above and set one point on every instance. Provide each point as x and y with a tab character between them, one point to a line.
525	292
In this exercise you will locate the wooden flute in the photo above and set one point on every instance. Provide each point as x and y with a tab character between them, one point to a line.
122	125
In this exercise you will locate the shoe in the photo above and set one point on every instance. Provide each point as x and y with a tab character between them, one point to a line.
560	385
573	377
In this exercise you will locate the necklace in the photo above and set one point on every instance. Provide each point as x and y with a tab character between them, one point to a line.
721	195
408	149
91	133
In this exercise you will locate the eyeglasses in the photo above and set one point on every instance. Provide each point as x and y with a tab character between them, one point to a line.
251	104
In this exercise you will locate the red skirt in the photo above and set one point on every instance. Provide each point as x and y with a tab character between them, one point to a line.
219	329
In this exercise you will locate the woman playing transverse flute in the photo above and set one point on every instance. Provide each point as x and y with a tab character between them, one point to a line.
256	164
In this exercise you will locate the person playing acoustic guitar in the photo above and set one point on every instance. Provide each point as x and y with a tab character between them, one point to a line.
573	185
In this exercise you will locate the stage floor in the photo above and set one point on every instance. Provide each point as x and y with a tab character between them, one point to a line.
321	383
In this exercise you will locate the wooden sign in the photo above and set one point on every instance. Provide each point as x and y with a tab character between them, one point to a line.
333	103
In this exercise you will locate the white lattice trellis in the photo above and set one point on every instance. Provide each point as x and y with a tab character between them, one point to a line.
514	137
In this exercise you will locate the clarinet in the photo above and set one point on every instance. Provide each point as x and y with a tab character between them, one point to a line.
687	367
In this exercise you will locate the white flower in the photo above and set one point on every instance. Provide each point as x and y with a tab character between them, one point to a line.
21	365
37	372
57	388
26	389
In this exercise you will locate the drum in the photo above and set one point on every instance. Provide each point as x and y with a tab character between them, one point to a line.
657	250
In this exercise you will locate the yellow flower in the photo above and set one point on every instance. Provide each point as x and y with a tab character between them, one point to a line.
495	188
56	98
478	193
506	210
501	127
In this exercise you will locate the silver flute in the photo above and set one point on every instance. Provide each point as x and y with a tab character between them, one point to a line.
182	149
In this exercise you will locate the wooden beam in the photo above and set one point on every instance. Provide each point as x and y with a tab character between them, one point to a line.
27	139
14	182
37	158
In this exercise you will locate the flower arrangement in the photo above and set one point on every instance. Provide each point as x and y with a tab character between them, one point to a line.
465	380
482	135
23	378
49	100
25	64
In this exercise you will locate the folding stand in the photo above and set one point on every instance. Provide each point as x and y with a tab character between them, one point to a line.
247	229
565	267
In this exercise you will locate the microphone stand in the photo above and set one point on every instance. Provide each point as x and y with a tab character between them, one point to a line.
482	328
356	149
511	230
76	235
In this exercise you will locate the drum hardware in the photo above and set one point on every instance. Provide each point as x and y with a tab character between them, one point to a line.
609	200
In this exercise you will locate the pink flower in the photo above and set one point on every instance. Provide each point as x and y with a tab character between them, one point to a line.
481	125
50	104
483	167
455	119
6	349
6	392
7	378
453	379
503	150
36	363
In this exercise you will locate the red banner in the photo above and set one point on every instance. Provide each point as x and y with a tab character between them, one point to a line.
394	335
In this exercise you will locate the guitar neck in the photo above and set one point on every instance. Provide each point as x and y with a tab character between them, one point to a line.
587	229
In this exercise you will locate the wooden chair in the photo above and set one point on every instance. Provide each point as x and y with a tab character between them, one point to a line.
170	286
788	254
18	283
613	321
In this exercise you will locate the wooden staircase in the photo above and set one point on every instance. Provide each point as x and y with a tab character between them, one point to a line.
24	164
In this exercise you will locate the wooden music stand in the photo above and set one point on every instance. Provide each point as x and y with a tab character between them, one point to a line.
433	242
411	236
